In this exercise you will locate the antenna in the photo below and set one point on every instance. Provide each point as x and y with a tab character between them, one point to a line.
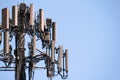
23	23
60	58
41	26
5	18
34	45
5	25
31	14
53	51
66	59
6	42
15	15
54	31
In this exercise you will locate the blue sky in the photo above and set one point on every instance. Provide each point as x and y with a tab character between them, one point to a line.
90	29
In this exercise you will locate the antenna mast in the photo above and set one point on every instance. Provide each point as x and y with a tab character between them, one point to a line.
23	22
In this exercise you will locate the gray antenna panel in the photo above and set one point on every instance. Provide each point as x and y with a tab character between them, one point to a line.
5	18
15	15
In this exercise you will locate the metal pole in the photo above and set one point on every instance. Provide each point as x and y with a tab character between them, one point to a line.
20	63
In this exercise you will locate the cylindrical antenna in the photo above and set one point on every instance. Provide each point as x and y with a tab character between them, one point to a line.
33	49
0	38
66	59
15	15
5	18
60	58
53	51
5	25
54	31
31	22
6	42
41	26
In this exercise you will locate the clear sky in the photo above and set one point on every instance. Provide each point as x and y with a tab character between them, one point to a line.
90	29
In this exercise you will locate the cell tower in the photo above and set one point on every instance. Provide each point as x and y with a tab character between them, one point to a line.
25	22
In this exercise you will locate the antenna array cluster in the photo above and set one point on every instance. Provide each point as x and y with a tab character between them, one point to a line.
25	22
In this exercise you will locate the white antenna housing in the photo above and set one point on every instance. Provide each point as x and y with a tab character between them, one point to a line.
5	18
53	51
6	42
60	58
15	15
34	45
41	26
31	22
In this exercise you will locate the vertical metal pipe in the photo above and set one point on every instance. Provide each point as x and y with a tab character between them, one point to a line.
34	45
20	61
21	40
20	65
32	54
